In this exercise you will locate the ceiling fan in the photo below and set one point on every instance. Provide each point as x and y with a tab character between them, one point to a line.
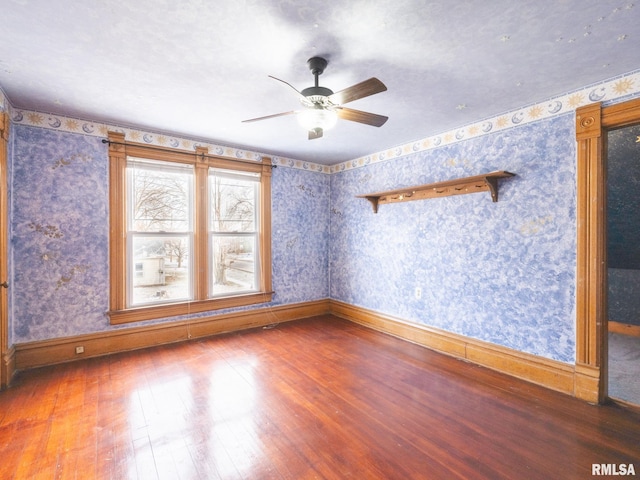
322	107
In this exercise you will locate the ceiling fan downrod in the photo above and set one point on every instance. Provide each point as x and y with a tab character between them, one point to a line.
317	66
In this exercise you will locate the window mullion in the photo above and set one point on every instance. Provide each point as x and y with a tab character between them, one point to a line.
201	237
264	222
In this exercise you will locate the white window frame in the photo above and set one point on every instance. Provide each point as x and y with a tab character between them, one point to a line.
132	234
253	234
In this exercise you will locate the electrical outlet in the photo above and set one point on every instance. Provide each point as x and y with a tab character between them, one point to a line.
79	350
418	293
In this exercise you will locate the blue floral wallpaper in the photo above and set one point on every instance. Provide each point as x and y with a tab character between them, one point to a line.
60	234
501	272
300	235
60	239
9	260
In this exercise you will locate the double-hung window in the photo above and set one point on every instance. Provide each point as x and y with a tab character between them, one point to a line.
159	232
233	227
189	232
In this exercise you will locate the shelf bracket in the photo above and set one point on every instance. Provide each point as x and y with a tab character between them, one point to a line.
492	185
374	202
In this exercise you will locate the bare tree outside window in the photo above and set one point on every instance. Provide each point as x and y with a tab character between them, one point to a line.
177	251
160	201
233	227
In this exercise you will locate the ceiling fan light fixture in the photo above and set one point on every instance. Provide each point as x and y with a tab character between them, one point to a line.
314	118
322	107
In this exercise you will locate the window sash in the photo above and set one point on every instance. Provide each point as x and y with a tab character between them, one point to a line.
168	192
232	271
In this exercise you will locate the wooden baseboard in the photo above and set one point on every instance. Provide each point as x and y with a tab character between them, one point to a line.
552	374
587	383
624	328
59	350
539	370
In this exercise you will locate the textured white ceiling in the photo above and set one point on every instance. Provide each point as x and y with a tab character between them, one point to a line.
197	68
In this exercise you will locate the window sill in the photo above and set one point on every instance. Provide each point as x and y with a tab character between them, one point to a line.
154	312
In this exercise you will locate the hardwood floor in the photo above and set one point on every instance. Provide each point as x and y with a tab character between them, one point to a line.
316	398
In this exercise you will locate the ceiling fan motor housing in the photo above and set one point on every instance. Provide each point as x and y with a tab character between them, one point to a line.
312	93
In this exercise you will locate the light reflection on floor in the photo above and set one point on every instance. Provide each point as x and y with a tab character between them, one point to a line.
168	433
232	398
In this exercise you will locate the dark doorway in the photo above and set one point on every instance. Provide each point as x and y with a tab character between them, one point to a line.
623	263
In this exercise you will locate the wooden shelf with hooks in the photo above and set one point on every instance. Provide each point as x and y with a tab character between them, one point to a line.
487	182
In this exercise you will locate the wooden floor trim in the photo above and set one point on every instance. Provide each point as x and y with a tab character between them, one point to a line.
60	350
539	370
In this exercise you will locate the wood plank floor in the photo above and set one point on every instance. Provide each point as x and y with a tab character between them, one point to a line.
318	398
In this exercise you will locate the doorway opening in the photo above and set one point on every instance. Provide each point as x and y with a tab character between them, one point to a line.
593	123
622	157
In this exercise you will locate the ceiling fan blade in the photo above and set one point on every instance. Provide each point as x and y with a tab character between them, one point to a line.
315	133
302	97
359	116
359	90
269	116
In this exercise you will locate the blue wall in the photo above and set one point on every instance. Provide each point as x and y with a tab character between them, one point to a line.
300	231
500	272
60	235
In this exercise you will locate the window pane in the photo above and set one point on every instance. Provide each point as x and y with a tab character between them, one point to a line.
159	198
160	269
233	264
233	203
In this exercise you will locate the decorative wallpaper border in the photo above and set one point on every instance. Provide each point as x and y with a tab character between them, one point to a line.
617	88
622	86
97	129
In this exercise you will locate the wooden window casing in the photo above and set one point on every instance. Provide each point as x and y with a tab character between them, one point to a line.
119	151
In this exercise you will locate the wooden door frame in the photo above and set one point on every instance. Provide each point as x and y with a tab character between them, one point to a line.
7	358
592	123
